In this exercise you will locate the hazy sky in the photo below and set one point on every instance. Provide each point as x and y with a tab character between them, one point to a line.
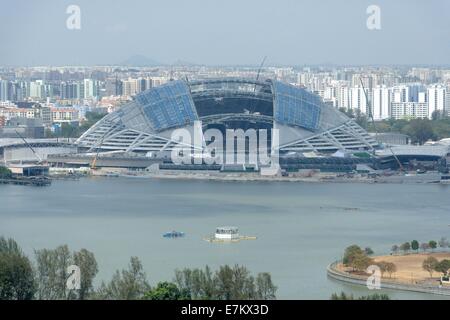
228	32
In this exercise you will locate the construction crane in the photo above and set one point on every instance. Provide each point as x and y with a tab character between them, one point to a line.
30	147
257	78
260	67
369	108
94	160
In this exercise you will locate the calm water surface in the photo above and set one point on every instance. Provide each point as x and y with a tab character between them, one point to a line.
300	227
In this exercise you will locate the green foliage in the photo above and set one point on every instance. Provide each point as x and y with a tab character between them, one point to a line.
405	247
357	258
420	130
350	253
432	244
430	264
19	281
5	172
227	283
344	296
361	262
368	251
375	296
390	268
443	266
91	119
415	245
130	284
51	273
16	272
87	263
167	291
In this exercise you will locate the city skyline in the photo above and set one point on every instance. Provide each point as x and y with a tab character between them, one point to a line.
232	33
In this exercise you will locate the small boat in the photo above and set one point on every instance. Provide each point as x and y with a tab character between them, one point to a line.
173	234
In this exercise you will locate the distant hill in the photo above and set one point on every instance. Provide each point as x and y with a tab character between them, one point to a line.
140	61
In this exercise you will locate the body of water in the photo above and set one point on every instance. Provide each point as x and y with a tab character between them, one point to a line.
301	227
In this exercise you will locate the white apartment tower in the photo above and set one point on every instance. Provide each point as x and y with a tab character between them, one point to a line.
358	99
436	99
381	103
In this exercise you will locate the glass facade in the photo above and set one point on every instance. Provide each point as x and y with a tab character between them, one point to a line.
295	106
168	106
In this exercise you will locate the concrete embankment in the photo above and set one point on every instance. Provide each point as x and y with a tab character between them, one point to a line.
339	275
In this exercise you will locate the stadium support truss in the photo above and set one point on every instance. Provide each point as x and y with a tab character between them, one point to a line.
304	122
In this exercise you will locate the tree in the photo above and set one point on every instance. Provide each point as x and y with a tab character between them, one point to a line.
395	249
432	244
415	245
226	283
234	283
85	260
51	272
361	262
5	173
443	267
391	268
425	246
265	289
361	119
350	253
375	296
199	283
130	284
167	291
405	247
16	273
344	296
51	266
383	265
430	264
420	130
368	251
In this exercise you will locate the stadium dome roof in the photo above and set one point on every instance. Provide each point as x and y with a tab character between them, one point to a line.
304	122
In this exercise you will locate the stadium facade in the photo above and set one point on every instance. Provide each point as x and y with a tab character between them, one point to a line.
303	121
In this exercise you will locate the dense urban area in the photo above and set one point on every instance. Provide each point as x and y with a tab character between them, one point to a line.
64	101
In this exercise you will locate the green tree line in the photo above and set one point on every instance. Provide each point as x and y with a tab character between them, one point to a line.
46	279
420	130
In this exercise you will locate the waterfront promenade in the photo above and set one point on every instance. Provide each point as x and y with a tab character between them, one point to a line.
408	277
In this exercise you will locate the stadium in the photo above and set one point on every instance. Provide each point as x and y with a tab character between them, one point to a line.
304	122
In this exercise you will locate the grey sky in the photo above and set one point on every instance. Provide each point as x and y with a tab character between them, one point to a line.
225	32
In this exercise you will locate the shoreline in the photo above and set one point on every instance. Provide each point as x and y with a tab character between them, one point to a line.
251	177
305	177
420	283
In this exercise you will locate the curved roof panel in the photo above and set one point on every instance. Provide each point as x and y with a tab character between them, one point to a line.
295	106
168	106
